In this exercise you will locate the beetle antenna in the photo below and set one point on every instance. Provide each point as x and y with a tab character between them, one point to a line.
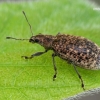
28	22
15	38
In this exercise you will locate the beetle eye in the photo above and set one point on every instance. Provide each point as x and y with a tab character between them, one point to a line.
36	40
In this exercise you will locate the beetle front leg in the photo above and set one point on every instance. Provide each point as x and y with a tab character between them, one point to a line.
36	54
55	68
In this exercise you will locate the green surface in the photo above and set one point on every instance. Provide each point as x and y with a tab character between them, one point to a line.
22	79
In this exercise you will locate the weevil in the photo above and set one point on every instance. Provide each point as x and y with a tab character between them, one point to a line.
76	50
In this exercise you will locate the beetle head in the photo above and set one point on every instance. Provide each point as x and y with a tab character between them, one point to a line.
43	40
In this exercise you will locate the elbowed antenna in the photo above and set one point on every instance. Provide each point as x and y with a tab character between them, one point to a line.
28	22
15	38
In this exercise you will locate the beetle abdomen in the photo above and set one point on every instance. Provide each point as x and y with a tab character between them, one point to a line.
78	50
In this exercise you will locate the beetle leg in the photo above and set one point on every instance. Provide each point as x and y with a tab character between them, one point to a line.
54	77
36	54
82	83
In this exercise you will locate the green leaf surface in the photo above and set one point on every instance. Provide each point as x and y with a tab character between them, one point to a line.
22	79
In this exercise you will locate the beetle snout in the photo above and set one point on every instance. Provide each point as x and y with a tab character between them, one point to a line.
31	40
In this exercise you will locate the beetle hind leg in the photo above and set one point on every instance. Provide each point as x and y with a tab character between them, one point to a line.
82	83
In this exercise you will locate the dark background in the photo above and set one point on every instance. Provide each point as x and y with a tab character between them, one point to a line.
96	1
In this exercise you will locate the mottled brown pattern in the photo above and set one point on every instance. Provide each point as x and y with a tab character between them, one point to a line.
79	50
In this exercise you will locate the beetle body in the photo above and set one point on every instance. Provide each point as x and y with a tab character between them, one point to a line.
79	50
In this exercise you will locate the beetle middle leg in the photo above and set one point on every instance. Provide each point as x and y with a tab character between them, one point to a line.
36	54
82	83
55	68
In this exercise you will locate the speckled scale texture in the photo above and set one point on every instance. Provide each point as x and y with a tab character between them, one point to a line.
81	51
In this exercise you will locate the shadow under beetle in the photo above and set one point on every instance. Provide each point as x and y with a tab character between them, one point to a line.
76	50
